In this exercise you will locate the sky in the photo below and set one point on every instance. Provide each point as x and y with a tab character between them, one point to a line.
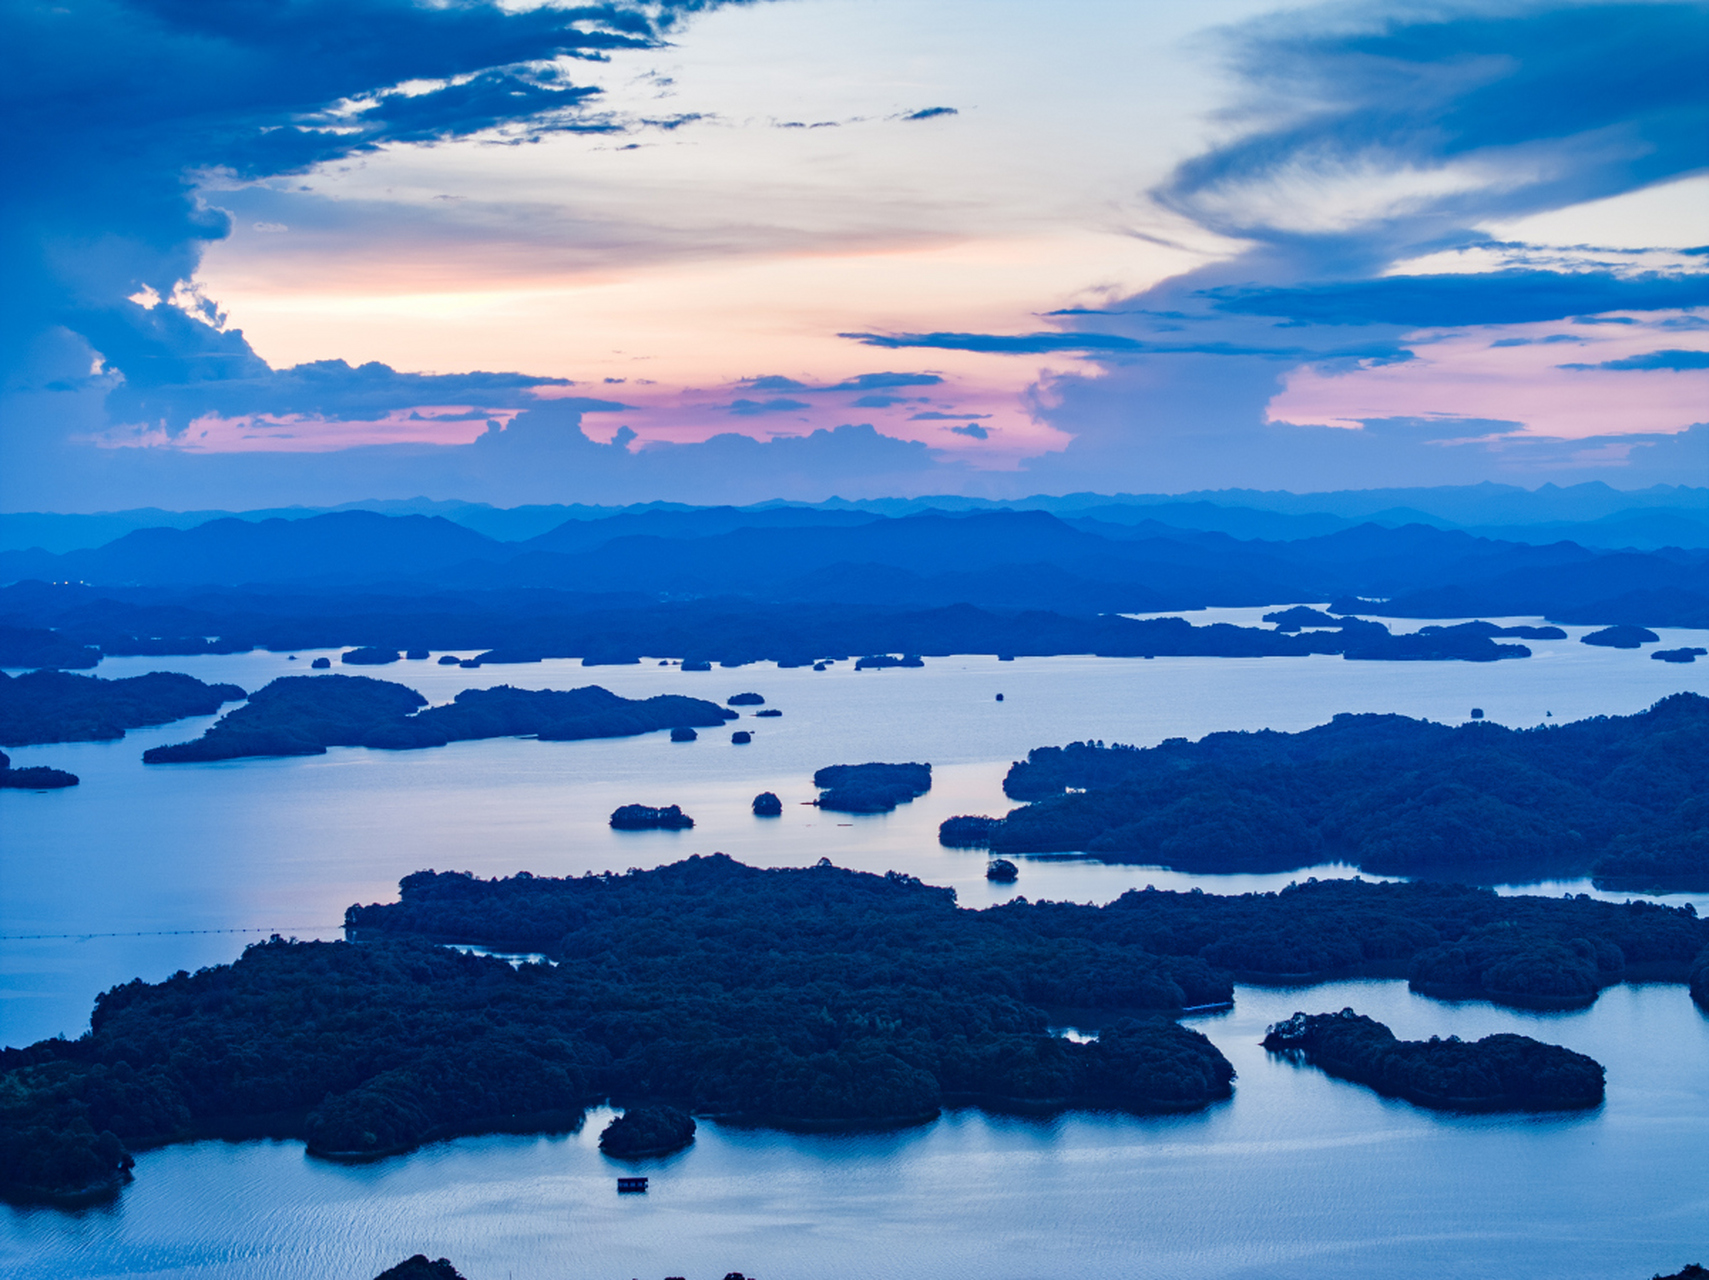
316	251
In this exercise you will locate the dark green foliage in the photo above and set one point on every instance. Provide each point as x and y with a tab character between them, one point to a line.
745	700
1498	1073
54	706
369	656
767	805
741	738
1621	637
647	1131
321	664
419	1268
879	661
34	778
812	997
871	788
966	831
298	716
1002	871
1391	795
39	647
1678	655
1300	616
770	713
1699	980
641	817
1451	940
304	715
1668	853
1691	1271
682	733
566	715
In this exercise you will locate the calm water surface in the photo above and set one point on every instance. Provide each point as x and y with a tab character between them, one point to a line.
1298	1176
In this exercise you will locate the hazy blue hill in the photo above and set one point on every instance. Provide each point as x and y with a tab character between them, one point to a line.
1646	530
689	522
994	559
349	545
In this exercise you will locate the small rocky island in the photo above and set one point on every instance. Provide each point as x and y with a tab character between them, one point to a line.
1502	1072
1002	871
745	700
1621	637
419	1268
767	805
643	817
871	787
647	1131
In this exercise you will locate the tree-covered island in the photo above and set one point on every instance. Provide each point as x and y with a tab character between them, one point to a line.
1619	797
813	997
304	715
56	706
1502	1072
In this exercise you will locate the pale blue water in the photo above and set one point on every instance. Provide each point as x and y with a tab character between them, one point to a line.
1298	1176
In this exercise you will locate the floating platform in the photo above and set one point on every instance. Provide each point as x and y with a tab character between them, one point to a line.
625	1185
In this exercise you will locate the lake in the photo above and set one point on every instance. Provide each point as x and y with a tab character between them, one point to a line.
142	871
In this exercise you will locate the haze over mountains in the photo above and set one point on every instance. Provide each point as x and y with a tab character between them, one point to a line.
1087	557
1592	514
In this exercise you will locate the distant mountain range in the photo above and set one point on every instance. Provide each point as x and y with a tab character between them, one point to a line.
159	589
1593	514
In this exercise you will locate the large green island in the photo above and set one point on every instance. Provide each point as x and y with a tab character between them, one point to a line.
813	998
1621	798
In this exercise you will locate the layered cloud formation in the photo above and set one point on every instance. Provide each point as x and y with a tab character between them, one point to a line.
1408	245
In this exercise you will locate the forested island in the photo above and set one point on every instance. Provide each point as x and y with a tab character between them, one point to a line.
304	715
55	706
644	817
1619	797
814	997
647	1131
871	788
1501	1072
33	777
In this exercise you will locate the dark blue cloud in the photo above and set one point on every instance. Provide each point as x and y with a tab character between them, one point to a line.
1675	360
328	389
934	416
1601	98
860	382
878	381
114	106
877	402
1497	297
754	408
1552	340
972	429
931	113
1117	344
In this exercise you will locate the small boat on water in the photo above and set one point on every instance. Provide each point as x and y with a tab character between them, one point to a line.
625	1185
